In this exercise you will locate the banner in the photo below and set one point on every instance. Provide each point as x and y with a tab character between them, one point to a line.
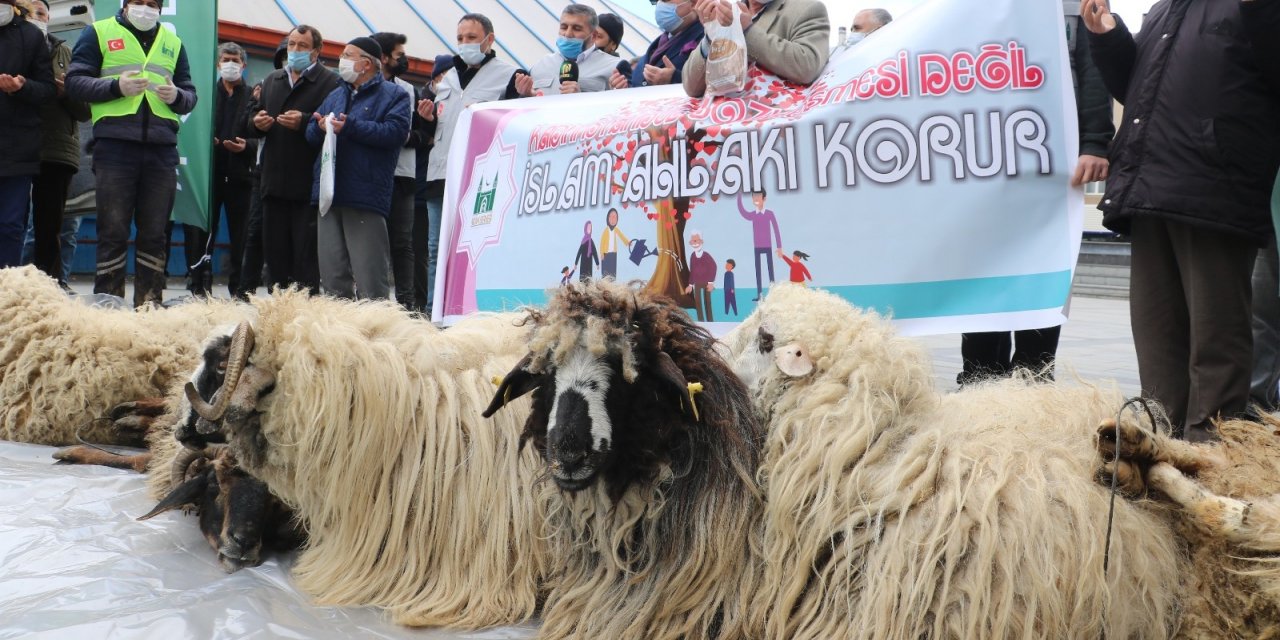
196	22
924	175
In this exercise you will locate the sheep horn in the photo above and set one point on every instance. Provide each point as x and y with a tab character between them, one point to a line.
237	359
178	468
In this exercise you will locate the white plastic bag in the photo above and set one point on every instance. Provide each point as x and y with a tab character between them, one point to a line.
727	56
328	157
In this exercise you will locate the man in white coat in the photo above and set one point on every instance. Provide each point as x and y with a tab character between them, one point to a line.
477	76
576	44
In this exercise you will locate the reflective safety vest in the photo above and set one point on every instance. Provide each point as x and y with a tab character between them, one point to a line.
122	53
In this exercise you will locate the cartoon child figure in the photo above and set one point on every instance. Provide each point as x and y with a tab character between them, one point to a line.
799	273
762	222
566	275
702	277
610	240
730	291
587	255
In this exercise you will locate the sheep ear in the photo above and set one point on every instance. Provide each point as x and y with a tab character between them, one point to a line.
670	373
793	360
186	493
515	384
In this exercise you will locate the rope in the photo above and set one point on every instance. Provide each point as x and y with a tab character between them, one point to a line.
1111	511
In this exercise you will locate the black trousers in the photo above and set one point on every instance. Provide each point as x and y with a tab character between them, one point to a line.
400	227
289	235
997	354
422	287
1190	303
251	264
48	203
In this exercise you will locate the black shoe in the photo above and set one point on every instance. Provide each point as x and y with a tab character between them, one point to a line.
1197	433
66	288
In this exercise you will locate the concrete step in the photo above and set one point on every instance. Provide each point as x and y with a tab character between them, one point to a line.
1103	270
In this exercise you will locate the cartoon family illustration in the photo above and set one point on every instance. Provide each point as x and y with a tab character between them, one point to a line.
703	267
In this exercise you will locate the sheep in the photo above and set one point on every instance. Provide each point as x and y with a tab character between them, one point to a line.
367	423
1228	516
62	364
653	533
896	512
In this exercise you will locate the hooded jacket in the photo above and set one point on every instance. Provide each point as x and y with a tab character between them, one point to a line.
62	116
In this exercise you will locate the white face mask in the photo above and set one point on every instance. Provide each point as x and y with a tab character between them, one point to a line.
855	38
143	17
347	69
230	71
42	26
471	53
6	14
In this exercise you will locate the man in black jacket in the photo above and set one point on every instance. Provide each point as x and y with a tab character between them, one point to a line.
994	354
1191	174
289	99
26	82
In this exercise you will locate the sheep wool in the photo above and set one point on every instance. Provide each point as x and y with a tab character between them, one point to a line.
62	363
895	512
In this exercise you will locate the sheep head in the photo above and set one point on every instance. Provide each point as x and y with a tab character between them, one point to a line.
610	369
236	390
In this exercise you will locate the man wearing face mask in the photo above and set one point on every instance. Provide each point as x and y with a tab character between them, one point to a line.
288	100
371	118
26	83
665	58
789	38
476	75
400	224
608	34
136	78
576	44
59	158
233	158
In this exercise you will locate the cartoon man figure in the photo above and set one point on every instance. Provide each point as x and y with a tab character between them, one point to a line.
730	292
566	276
762	221
610	240
702	277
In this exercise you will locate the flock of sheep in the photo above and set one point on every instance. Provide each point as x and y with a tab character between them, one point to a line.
605	465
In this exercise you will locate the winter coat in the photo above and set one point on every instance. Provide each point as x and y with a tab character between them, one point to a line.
62	116
1200	139
287	159
84	84
229	121
676	48
377	126
23	52
1093	103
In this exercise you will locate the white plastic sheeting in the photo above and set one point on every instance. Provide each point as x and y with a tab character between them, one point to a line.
75	564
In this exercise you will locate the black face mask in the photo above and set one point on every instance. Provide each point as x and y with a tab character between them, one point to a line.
400	67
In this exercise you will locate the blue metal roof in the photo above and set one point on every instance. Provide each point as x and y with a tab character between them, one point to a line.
525	29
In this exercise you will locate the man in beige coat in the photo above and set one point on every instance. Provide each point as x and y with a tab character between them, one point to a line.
790	38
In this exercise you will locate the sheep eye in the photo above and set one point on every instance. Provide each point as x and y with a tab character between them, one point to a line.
766	341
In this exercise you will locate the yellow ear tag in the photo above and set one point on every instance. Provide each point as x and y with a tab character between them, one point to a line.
497	381
694	389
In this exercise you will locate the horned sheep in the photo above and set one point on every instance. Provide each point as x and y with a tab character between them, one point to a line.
887	510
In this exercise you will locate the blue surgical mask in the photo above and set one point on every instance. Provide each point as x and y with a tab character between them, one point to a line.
299	60
471	53
666	16
570	48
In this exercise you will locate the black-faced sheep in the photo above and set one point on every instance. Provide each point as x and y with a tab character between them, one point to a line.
1224	499
652	442
893	511
63	364
367	423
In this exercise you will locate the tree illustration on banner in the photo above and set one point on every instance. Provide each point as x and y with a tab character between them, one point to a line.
704	125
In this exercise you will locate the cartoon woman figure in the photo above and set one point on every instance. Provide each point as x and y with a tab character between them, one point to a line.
799	273
587	255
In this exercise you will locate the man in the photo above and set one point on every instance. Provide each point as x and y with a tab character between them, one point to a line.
400	223
866	22
608	34
476	76
422	287
26	83
790	38
233	159
664	61
576	44
702	278
371	118
764	233
289	100
59	156
251	265
1191	174
136	78
994	354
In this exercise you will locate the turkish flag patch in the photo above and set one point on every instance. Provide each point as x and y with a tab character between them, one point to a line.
115	45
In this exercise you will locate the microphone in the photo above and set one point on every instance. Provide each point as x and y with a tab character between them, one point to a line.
624	68
568	71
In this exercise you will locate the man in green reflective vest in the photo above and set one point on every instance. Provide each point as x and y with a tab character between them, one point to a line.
135	76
